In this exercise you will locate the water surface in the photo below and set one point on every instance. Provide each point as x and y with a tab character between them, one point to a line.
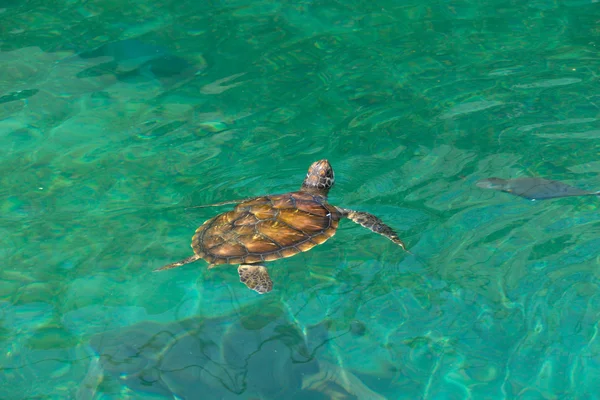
115	117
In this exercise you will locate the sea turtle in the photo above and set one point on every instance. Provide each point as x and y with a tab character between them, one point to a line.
267	228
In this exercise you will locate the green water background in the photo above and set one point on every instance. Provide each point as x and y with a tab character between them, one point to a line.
412	102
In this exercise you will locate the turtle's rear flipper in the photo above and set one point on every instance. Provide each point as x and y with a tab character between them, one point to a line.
256	277
373	223
179	263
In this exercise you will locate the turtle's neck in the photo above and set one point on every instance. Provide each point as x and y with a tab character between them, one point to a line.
315	191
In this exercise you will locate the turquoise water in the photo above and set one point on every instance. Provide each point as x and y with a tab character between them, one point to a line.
117	116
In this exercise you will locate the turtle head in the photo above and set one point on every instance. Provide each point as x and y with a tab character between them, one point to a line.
320	177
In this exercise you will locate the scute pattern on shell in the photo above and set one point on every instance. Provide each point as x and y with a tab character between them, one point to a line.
266	228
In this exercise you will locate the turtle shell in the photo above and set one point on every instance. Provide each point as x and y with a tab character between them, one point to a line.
266	228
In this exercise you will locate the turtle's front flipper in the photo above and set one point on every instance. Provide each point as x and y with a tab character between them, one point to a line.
179	263
373	223
222	203
256	277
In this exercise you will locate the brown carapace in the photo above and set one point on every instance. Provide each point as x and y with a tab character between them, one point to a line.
267	228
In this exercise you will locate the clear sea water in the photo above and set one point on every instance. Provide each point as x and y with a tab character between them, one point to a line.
116	117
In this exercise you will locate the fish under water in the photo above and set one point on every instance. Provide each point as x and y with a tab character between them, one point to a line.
133	60
534	188
242	355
